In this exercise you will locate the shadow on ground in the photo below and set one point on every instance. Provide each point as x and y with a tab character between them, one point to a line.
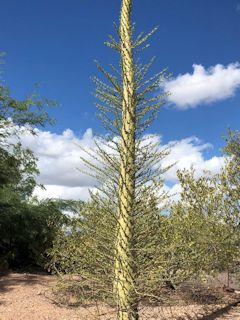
8	281
225	311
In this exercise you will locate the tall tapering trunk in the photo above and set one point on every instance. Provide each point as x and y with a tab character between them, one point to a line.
124	268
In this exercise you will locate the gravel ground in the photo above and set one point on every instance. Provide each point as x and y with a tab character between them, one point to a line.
26	296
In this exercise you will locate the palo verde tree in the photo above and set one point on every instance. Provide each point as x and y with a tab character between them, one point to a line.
204	224
200	242
230	178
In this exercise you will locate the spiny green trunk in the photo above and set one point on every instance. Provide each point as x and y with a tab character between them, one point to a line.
124	270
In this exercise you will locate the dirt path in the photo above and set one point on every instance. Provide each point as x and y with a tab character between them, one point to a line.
28	297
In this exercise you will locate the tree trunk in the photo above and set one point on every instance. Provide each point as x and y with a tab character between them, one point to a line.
124	268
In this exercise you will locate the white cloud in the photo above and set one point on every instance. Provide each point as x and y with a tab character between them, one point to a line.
59	160
187	153
59	157
204	86
62	192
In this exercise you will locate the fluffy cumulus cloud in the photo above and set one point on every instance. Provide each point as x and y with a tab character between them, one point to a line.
204	86
62	192
61	167
187	153
59	157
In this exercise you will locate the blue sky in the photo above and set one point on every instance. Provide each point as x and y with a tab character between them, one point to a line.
55	43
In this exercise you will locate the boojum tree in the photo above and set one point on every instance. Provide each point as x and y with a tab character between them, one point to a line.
126	268
124	256
129	165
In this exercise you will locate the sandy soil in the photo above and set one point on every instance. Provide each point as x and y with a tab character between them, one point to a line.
29	297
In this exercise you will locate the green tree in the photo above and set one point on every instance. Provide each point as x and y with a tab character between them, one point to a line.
20	221
230	178
201	242
88	248
204	224
129	103
17	115
28	231
127	165
18	167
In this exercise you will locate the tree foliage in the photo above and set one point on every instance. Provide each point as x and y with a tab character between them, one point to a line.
27	229
196	237
114	229
204	223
